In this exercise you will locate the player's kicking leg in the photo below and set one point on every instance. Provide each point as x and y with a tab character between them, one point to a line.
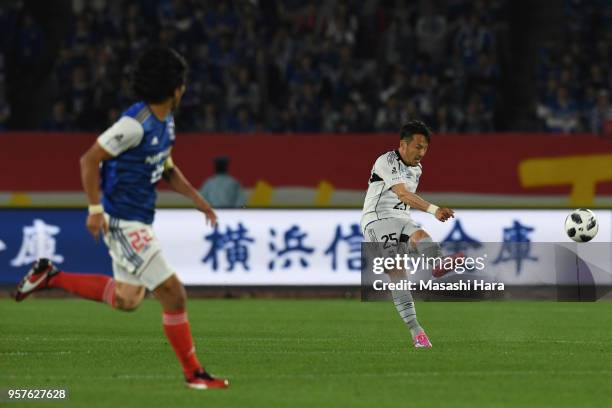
171	294
422	243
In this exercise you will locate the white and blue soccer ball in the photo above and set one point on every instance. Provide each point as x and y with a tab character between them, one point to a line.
581	225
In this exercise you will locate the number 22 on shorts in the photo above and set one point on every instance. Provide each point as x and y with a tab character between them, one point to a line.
139	239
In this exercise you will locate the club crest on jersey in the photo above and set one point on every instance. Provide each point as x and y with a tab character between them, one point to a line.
155	141
394	171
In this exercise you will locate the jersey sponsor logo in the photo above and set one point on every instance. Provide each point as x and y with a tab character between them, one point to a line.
156	158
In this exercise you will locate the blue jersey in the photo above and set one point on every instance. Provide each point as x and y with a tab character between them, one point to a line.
140	144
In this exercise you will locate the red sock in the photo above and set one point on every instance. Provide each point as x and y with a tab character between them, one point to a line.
176	327
100	288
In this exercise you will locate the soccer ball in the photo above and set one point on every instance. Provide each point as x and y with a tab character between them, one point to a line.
581	225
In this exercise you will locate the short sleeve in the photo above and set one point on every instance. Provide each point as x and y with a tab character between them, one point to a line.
169	164
387	168
125	134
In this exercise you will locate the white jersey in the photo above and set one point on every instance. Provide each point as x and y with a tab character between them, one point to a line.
380	201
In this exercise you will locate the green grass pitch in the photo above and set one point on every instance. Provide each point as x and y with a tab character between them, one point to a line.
314	353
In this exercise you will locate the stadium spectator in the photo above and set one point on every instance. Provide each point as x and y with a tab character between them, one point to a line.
30	42
283	65
243	91
431	33
241	121
222	190
208	121
601	114
561	116
578	66
472	38
443	121
388	116
350	120
59	121
5	113
5	109
306	106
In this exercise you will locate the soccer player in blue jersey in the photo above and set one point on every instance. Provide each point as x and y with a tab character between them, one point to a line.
126	162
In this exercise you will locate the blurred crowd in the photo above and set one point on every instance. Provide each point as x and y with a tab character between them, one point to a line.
287	65
5	109
573	77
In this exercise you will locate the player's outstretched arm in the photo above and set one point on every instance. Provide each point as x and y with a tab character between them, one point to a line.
90	178
415	201
179	183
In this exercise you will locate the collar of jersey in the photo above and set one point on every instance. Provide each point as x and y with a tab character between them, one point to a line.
399	157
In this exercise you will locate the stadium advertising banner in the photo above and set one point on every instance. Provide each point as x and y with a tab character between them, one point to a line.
486	170
283	247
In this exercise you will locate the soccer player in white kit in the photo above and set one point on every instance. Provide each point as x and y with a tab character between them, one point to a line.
386	217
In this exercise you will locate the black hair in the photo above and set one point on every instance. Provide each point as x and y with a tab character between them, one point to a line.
158	72
415	127
221	164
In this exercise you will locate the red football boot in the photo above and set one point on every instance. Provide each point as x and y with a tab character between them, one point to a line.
201	380
37	278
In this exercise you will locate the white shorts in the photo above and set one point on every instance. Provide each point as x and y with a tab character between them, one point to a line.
136	253
391	232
